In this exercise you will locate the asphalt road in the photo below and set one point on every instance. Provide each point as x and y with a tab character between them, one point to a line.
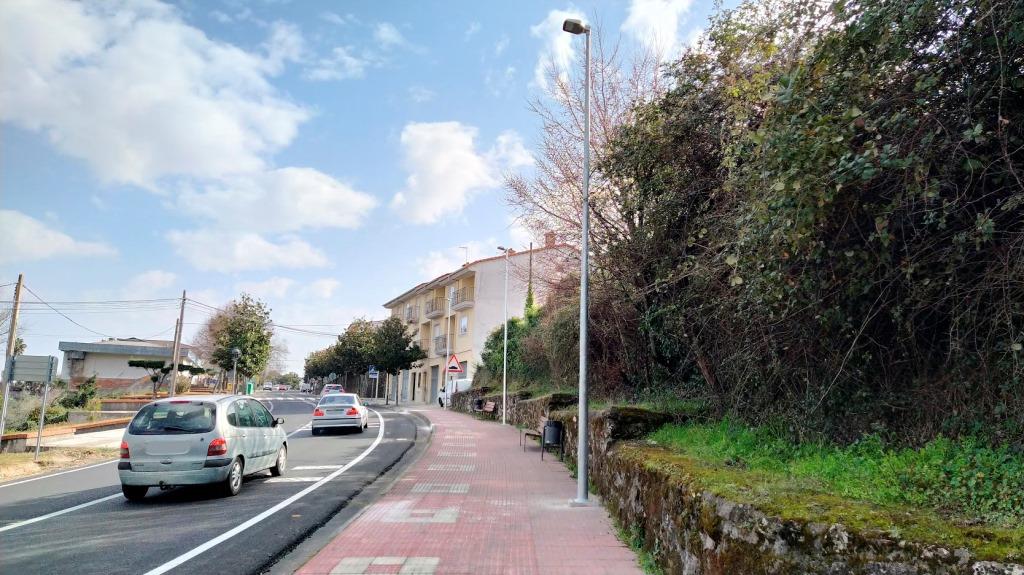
78	522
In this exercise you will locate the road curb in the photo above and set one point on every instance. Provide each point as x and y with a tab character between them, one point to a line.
293	560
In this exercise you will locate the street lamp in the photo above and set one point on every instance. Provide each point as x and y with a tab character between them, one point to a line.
235	354
504	356
574	26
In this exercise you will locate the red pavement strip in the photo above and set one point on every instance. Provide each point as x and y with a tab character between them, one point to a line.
475	503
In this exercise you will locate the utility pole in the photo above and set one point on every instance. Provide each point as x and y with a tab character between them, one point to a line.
175	355
12	337
447	348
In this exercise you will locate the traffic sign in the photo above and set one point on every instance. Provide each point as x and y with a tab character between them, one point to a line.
372	372
33	368
453	365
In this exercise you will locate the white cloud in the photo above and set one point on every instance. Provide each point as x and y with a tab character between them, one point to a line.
388	36
558	48
499	82
519	234
419	94
212	250
438	262
149	284
139	94
501	45
286	44
445	169
342	64
25	239
655	23
471	30
338	19
288	199
322	288
276	287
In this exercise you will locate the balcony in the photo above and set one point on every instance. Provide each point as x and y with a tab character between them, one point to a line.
462	298
424	343
434	308
412	314
441	345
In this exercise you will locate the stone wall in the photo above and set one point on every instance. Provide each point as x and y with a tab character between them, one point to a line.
693	532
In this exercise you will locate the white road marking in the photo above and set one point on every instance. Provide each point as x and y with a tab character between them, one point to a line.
56	513
303	428
458	488
451	467
56	474
293	479
260	517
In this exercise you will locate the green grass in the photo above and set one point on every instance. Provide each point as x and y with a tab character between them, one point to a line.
634	538
960	478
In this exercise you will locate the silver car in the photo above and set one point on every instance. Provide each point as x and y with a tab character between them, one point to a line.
339	411
192	440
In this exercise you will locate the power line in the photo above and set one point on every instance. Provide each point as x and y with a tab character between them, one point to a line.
34	294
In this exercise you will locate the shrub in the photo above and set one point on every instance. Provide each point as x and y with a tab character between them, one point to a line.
80	396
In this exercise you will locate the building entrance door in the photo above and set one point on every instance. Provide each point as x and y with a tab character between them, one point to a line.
434	374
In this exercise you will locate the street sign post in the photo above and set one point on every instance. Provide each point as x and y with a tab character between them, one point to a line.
453	365
35	369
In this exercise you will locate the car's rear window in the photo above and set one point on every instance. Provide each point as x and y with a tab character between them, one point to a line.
174	418
338	400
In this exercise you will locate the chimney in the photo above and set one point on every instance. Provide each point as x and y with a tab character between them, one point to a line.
549	240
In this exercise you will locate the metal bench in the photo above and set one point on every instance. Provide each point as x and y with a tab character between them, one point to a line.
550	433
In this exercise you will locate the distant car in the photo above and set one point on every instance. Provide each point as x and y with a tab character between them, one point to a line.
332	388
305	387
213	439
268	387
283	387
340	411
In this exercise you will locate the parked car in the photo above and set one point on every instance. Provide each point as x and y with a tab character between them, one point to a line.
444	396
197	440
332	388
283	387
268	386
340	411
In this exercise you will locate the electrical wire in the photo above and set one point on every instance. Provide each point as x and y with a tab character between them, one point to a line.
34	294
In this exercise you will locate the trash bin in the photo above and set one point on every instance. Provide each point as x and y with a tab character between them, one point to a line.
478	404
552	437
249	388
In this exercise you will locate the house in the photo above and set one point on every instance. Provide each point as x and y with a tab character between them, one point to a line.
454	313
108	359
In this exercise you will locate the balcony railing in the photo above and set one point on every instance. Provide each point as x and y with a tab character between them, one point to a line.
434	307
441	345
462	298
424	344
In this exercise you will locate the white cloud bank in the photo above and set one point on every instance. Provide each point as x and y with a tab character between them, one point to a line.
213	250
655	23
558	48
26	239
445	168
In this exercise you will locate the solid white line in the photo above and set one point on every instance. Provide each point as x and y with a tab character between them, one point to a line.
314	467
56	513
240	528
303	428
56	474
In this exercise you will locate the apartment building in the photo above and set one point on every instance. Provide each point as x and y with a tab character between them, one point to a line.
455	312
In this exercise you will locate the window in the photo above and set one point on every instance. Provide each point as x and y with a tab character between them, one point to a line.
243	414
338	400
463	325
174	417
262	416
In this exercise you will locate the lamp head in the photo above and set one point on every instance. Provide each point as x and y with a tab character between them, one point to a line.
574	26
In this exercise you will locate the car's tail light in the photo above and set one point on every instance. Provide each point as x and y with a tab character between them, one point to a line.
318	412
218	446
352	411
124	450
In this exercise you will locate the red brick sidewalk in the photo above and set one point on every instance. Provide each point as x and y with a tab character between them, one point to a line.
474	504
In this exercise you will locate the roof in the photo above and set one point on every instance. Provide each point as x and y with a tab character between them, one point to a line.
199	397
129	346
449	275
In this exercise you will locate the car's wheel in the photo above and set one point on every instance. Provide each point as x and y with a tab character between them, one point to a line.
233	483
281	465
317	431
134	492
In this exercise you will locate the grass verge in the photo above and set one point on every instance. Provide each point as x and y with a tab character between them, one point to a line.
19	465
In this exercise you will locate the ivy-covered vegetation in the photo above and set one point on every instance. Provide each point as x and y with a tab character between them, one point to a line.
820	223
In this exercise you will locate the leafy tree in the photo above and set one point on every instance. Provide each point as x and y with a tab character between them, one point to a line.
290	379
248	328
158	370
19	346
393	348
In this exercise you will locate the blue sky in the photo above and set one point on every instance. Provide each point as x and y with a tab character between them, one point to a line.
324	156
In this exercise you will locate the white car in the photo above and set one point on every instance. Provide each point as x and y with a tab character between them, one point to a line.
268	387
332	388
340	411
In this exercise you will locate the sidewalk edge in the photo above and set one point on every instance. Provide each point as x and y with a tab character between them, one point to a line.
308	548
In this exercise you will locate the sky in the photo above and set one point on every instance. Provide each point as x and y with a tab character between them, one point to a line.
322	156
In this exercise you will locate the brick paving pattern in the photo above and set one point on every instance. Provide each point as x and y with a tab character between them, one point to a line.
475	503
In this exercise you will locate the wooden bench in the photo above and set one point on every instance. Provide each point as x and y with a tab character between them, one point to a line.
489	407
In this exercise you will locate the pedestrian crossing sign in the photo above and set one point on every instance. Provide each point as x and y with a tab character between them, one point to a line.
453	365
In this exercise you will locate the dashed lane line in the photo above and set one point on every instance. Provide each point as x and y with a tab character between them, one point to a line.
56	474
56	513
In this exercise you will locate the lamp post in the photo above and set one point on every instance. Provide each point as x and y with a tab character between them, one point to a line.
574	26
235	354
504	352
